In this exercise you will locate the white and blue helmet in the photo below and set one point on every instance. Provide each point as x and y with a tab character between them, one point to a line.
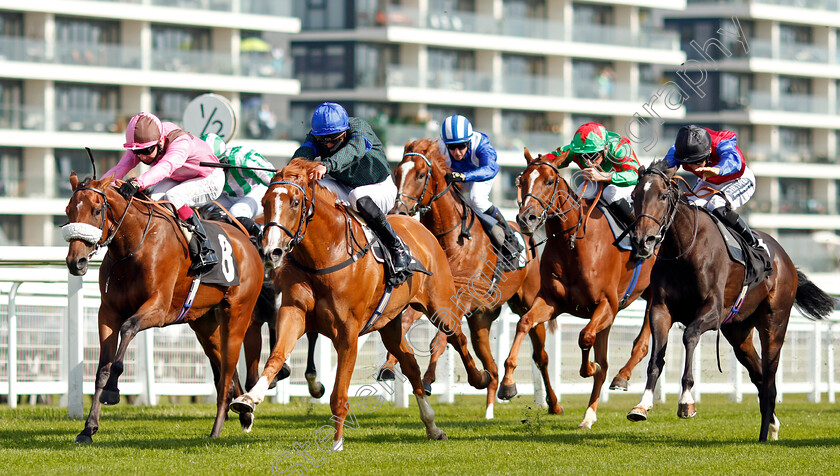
456	129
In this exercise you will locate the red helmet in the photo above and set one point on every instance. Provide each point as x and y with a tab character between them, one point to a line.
144	130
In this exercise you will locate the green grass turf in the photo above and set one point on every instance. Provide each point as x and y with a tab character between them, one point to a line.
172	439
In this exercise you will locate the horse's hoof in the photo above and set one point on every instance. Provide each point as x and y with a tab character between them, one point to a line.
82	438
486	380
284	373
438	436
686	410
555	409
619	383
506	392
320	392
637	414
246	420
242	404
109	397
427	388
385	373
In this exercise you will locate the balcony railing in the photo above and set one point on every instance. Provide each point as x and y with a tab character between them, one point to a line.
181	61
533	85
536	142
258	7
830	5
76	120
22	118
107	55
468	22
22	49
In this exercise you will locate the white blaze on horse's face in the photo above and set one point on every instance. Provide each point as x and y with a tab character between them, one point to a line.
274	235
646	187
405	168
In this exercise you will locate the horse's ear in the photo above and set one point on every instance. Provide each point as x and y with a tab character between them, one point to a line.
671	171
74	181
106	181
641	170
528	157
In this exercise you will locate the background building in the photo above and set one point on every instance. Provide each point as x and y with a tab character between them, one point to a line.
781	96
73	72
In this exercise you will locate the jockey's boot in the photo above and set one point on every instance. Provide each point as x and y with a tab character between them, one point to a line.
254	230
379	224
507	231
622	210
492	226
737	224
201	251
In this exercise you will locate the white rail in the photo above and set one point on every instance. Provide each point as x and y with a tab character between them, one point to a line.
49	322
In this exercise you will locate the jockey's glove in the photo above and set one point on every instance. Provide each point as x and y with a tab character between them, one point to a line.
128	189
455	177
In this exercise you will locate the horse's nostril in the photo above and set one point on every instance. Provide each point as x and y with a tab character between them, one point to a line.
277	252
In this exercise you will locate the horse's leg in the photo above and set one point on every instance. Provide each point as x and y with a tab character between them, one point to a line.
450	325
316	388
602	318
479	324
346	343
252	346
290	327
108	337
541	311
740	336
537	334
706	320
660	324
602	340
392	337
436	349
233	324
129	328
771	332
640	350
386	372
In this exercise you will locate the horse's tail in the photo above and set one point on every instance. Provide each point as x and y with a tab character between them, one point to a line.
813	302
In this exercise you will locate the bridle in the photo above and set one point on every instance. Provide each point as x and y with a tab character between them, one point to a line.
307	211
418	207
550	207
104	210
673	198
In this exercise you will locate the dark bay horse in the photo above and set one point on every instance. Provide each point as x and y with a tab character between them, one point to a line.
144	282
695	282
308	232
582	273
423	189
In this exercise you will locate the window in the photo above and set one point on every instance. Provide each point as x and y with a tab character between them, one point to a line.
795	193
450	69
525	75
593	79
580	119
794	144
324	14
592	14
533	9
170	104
451	5
85	107
372	62
795	34
182	49
11	172
75	160
11	24
324	66
11	230
11	104
734	90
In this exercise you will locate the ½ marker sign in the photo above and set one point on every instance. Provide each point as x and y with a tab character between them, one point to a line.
210	113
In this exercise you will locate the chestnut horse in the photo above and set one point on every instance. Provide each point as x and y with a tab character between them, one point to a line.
695	282
423	189
306	233
144	281
582	273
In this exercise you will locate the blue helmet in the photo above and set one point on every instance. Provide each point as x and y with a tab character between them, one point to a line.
329	118
456	129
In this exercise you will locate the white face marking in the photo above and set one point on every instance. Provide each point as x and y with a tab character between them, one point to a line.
532	177
646	187
405	168
78	206
274	233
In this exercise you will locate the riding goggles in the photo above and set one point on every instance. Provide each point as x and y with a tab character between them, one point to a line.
330	138
457	146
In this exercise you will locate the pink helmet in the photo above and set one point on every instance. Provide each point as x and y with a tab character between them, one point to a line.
144	130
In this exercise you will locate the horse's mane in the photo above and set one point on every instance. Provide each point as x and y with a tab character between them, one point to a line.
659	166
429	148
298	170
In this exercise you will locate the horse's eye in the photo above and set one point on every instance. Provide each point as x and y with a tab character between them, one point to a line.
549	182
97	212
295	202
422	176
664	196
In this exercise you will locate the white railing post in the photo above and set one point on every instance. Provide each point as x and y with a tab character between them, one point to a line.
697	370
554	347
832	386
75	347
148	359
402	388
12	349
816	364
737	379
448	395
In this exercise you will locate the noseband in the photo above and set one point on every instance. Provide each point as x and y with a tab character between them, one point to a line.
418	208
306	213
82	231
546	204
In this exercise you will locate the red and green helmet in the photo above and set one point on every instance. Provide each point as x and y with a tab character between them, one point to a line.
590	137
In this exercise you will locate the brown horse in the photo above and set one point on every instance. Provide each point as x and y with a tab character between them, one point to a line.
582	272
307	233
422	188
694	282
144	283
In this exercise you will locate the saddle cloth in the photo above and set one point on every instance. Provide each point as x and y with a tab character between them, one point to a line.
226	271
616	227
758	264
